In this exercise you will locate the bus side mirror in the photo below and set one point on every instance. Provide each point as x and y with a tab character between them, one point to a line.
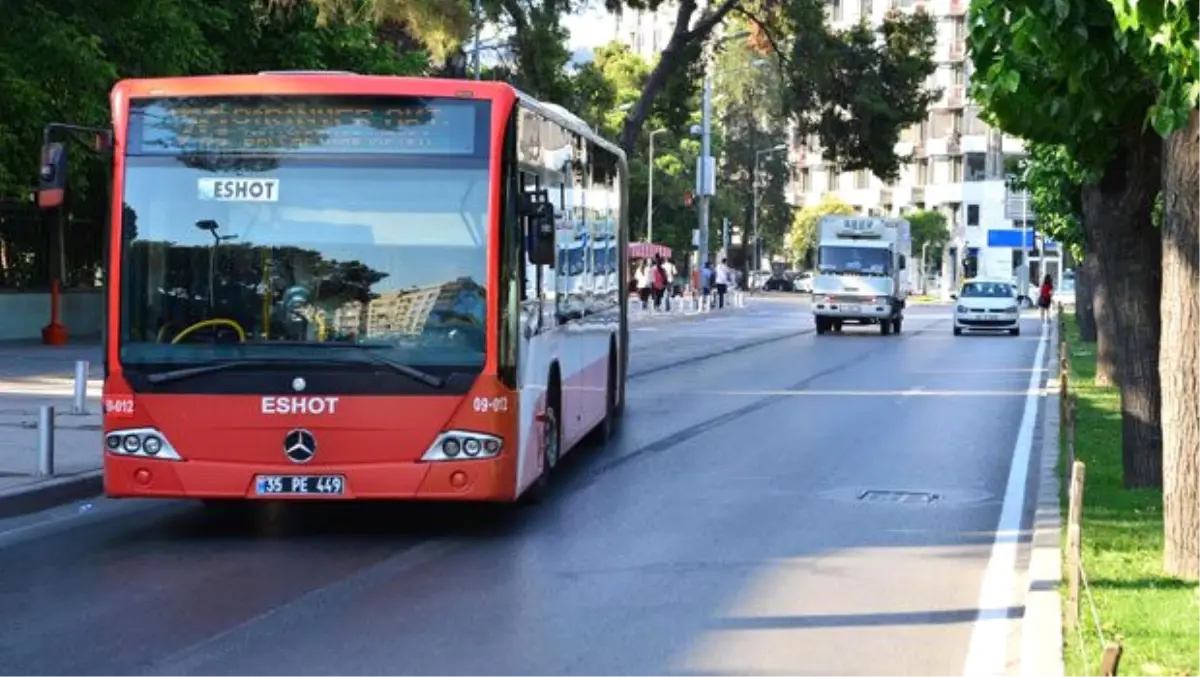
539	232
953	296
52	176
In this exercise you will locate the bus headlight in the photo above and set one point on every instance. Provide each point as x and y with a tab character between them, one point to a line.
455	445
143	442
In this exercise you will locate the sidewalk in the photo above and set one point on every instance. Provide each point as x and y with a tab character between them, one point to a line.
32	376
681	309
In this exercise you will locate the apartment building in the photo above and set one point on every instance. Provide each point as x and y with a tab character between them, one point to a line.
957	160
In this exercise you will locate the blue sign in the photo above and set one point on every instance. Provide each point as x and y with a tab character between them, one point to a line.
1011	237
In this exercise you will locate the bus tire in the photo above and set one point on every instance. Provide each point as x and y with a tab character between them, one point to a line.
604	430
551	446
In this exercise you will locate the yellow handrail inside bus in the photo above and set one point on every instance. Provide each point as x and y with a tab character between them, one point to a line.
215	322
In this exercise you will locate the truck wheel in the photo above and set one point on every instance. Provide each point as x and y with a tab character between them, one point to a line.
837	326
822	326
896	324
885	327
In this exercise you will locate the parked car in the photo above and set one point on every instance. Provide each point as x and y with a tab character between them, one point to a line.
803	282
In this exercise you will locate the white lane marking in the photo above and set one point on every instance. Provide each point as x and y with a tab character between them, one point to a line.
988	651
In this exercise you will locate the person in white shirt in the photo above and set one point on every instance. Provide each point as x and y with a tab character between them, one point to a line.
671	271
644	284
724	279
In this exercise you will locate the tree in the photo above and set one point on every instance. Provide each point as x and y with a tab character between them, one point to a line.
1057	73
753	129
802	237
927	227
1055	183
613	80
1170	28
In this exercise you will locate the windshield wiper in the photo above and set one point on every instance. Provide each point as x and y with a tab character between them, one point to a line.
398	367
188	372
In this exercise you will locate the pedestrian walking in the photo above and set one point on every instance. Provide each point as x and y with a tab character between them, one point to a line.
644	284
1045	296
724	278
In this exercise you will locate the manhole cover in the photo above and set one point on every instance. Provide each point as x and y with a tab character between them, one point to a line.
881	496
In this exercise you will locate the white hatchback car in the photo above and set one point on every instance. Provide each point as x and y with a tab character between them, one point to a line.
989	305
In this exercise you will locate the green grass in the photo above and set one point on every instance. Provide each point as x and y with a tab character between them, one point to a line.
1155	617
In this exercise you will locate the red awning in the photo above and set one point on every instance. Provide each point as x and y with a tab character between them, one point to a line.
648	250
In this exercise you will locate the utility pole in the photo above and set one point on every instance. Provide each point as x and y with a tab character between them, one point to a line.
704	170
650	190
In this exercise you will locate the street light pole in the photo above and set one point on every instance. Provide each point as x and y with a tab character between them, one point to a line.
705	157
757	264
650	190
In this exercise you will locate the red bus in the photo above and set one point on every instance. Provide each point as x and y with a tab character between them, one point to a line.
329	285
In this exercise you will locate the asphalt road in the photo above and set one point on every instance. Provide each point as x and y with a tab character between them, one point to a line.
724	531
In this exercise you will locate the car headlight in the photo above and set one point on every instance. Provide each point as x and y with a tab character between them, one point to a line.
1011	309
961	309
142	442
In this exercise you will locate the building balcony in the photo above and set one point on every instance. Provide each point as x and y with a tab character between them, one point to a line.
958	50
954	96
917	196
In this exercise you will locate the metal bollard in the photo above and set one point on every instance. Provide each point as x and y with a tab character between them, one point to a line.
46	441
79	405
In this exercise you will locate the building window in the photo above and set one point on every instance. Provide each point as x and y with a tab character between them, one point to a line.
976	167
831	179
866	9
862	180
837	11
941	124
972	215
956	170
922	173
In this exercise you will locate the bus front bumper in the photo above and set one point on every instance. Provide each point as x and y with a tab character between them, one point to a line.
466	480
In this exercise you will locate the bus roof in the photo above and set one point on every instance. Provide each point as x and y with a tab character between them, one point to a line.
283	83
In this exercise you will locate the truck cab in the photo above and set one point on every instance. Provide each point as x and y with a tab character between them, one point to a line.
860	275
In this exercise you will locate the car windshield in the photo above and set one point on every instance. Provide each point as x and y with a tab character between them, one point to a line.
854	260
988	290
269	256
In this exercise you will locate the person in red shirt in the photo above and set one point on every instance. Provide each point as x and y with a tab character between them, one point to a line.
1044	297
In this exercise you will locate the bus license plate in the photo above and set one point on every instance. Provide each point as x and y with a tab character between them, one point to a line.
317	485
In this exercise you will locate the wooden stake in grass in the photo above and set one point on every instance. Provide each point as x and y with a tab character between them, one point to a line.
1110	662
1074	554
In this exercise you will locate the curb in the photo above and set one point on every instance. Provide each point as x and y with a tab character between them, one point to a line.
51	493
1042	627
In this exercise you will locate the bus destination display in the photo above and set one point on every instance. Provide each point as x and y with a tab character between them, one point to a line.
318	125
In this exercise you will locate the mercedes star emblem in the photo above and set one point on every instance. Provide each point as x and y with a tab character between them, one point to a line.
300	446
299	384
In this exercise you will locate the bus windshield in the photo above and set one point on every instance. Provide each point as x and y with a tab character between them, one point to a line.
231	256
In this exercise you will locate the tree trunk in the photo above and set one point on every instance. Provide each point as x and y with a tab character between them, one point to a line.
1106	330
1180	352
1128	247
1085	314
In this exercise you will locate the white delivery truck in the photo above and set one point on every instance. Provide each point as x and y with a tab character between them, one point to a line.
861	273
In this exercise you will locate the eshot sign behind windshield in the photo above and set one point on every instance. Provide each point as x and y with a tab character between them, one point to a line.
307	125
239	189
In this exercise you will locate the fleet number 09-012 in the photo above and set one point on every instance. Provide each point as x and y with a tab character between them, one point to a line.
491	404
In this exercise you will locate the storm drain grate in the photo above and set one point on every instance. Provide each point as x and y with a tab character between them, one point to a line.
881	496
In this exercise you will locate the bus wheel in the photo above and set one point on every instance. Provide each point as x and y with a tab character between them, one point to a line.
551	448
603	432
